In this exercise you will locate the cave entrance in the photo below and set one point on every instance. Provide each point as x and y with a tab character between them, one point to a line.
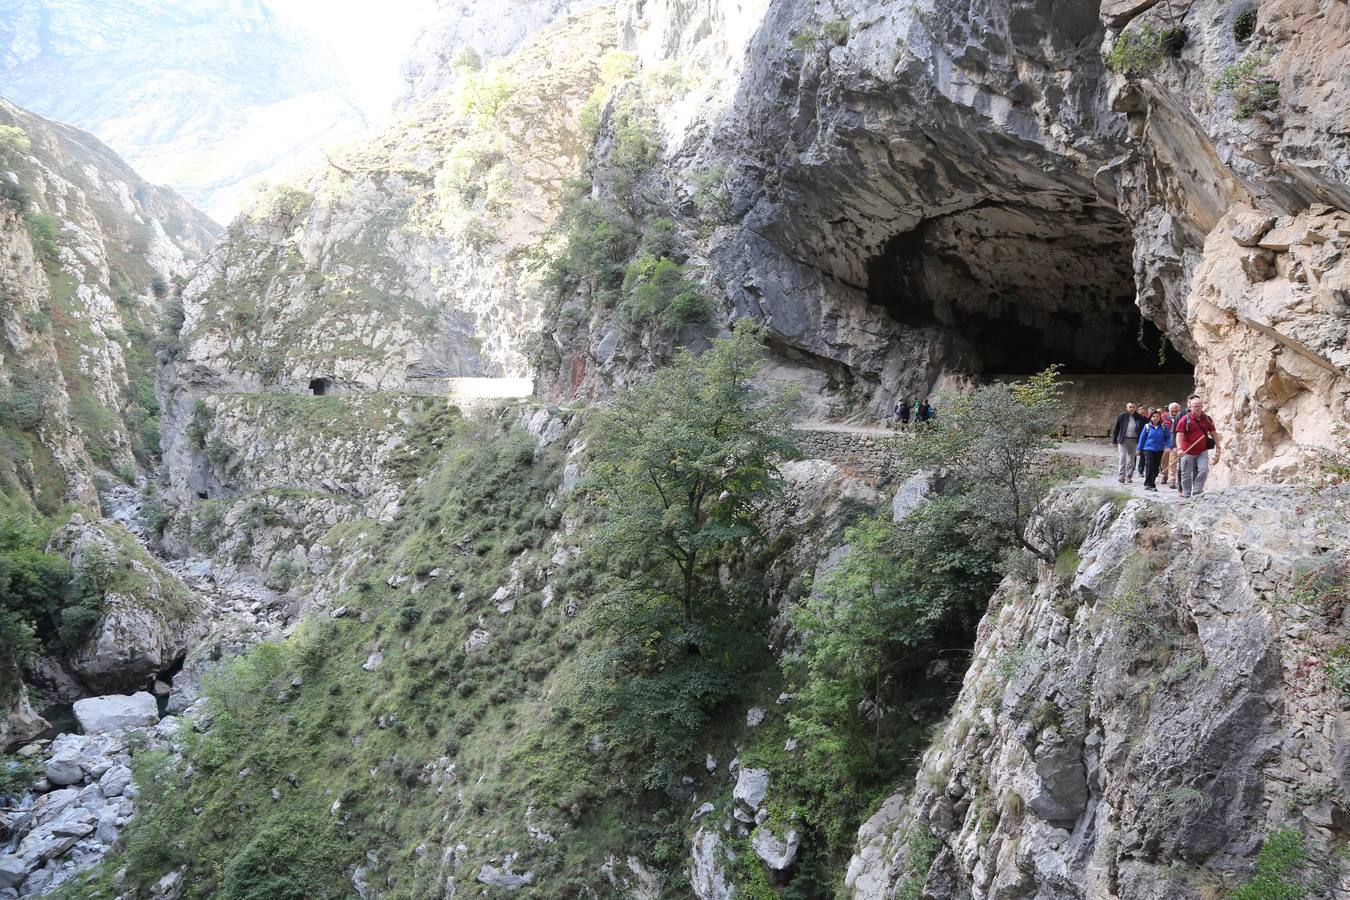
1022	288
319	386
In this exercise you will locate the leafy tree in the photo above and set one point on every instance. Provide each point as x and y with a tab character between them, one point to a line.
684	465
994	442
32	584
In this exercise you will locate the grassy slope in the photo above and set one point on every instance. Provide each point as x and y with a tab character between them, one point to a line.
381	743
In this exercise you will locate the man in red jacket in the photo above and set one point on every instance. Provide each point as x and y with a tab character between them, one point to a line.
1193	437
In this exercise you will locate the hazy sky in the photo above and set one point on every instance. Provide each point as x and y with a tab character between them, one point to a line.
370	37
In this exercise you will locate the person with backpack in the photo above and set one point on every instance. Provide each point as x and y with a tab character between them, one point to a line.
1194	437
1169	462
921	410
1125	435
1154	440
902	412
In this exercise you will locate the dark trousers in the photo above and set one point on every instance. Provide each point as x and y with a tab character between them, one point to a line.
1152	461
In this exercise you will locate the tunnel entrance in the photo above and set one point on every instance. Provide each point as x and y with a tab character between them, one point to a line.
1021	288
318	386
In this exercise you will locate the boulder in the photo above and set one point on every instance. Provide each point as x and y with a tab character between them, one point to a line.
114	781
116	712
503	877
13	871
64	767
751	785
777	853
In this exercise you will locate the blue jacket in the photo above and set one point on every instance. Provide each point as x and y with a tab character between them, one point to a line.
1155	437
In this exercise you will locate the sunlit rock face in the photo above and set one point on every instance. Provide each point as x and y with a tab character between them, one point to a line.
207	96
1119	736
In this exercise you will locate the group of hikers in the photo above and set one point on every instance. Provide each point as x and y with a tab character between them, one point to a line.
1157	439
919	411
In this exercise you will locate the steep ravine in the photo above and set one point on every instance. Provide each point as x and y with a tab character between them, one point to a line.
384	595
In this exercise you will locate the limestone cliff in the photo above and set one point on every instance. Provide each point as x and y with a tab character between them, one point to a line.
90	253
916	196
1137	726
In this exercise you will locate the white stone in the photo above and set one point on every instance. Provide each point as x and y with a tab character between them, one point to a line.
751	786
116	712
114	781
777	854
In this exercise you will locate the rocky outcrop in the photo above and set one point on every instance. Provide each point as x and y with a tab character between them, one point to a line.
146	620
90	251
1212	166
1138	727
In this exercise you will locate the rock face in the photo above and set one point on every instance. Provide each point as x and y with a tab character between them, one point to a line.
90	249
465	34
1206	169
1163	709
147	619
912	199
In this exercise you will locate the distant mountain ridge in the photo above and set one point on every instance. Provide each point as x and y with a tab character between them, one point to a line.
205	97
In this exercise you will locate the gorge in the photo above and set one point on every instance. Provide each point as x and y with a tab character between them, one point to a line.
304	627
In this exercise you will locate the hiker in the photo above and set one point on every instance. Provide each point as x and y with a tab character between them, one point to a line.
902	412
1125	435
1147	413
1154	440
1169	461
923	411
1194	438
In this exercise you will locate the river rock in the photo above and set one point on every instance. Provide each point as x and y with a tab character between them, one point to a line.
114	781
64	767
116	712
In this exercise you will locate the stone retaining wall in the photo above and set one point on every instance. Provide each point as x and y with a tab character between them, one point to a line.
873	456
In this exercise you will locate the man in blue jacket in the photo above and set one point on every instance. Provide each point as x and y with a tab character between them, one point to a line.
1125	435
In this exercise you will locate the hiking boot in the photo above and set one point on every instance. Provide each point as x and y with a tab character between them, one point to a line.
1121	479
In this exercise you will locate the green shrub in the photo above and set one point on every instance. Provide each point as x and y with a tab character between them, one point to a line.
1244	25
21	404
921	849
660	292
1279	868
33	585
836	30
44	229
1136	50
295	858
16	774
1245	81
14	142
200	424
